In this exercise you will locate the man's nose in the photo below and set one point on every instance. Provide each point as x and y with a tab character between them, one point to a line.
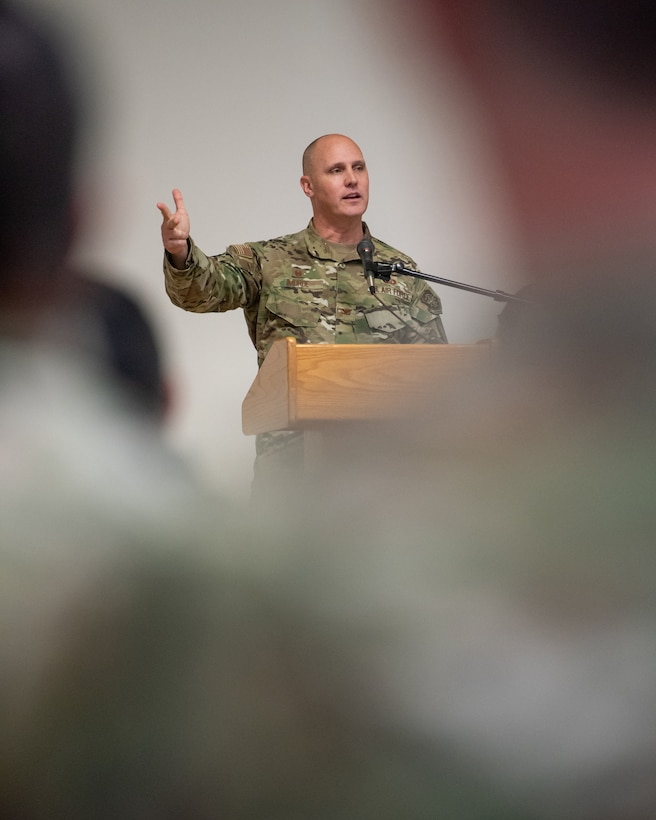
350	178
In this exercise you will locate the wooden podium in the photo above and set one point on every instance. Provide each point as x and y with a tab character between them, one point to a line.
319	388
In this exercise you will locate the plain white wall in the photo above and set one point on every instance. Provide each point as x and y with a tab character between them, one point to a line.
219	98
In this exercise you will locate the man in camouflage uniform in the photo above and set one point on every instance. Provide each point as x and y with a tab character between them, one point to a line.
308	285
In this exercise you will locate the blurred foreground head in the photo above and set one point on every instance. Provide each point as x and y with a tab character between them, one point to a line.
38	130
567	94
40	125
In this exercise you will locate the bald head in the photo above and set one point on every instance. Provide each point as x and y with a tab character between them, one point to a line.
320	144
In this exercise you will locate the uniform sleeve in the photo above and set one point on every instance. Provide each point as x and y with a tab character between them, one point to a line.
210	284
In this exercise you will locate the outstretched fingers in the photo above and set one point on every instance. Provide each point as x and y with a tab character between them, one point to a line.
179	201
170	219
163	209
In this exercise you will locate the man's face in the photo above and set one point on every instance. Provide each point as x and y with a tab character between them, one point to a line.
337	181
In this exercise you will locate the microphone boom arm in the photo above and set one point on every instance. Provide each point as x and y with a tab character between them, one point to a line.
384	269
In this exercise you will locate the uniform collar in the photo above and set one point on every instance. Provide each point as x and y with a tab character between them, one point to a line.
320	248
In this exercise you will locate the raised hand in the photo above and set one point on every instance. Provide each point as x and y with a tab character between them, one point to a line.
175	229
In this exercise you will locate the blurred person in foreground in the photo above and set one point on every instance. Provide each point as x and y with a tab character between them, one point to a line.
500	549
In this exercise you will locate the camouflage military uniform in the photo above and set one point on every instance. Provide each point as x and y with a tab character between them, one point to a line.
305	287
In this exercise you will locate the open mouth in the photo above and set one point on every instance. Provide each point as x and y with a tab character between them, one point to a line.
352	196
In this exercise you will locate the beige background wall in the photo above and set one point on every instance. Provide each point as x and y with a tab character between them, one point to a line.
220	99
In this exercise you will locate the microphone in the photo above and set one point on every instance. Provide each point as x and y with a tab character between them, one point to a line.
366	254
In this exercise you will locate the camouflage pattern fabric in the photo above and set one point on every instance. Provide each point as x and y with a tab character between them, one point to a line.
304	287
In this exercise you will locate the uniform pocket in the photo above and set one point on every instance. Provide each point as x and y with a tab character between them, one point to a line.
299	306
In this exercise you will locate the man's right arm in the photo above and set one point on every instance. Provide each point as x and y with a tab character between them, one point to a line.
200	283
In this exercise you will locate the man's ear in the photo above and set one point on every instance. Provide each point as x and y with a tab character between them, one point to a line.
306	185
